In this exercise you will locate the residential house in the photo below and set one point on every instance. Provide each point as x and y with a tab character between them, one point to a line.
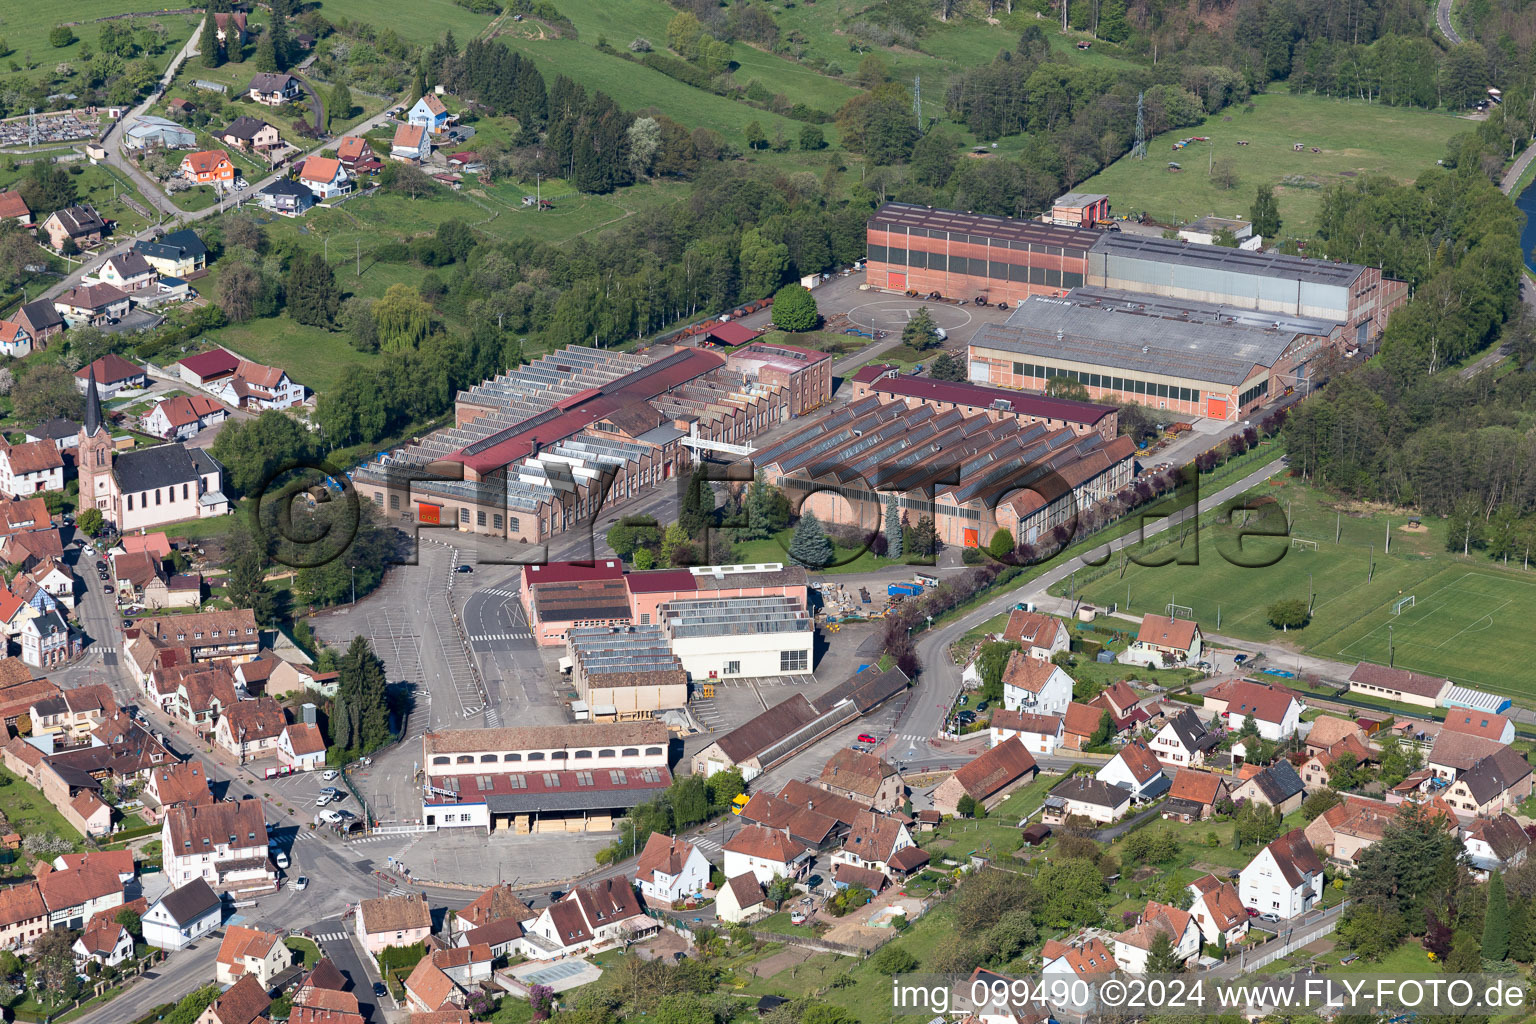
393	921
603	913
1398	684
1040	635
248	952
13	612
313	1004
149	132
251	728
741	899
182	417
80	224
670	869
41	320
203	698
47	641
1455	752
208	370
225	23
1080	796
863	778
1184	740
113	373
91	305
285	196
356	155
23	915
1327	730
1284	879
244	1002
498	903
228	634
1035	685
208	167
31	467
1277	785
1316	771
1135	769
182	916
429	988
181	782
1163	642
256	387
1495	844
873	842
1497	782
1350	827
1081	957
766	853
252	135
15	341
62	433
1134	945
1079	725
71	717
1193	796
13	207
1480	723
301	747
131	573
1040	734
274	88
410	144
225	844
988	779
180	254
128	272
1275	710
1122	704
75	894
104	941
430	113
325	177
1218	910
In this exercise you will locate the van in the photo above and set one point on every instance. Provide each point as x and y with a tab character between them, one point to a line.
741	801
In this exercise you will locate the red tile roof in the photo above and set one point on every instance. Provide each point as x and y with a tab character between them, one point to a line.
1039	630
1162	631
732	334
1477	723
12	205
1198	787
111	368
213	363
1028	673
1001	766
1081	719
764	844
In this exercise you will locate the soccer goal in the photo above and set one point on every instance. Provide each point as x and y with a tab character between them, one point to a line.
1180	611
1303	542
1401	603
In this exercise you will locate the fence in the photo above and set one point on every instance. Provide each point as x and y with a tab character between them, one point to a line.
818	945
1254	957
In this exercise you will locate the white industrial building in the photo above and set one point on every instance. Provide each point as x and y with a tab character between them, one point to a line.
625	672
718	638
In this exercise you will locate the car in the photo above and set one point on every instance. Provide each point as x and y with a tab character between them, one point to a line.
555	894
330	818
1349	959
379	991
983	705
1271	918
1238	659
301	883
280	859
464	568
1251	912
329	774
107	589
860	748
248	796
101	565
325	798
865	737
127	623
331	791
365	761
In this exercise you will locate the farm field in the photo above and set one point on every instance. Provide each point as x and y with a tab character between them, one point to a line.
1356	139
1459	603
26	31
423	21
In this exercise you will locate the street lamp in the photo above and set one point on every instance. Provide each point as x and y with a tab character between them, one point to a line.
1391	648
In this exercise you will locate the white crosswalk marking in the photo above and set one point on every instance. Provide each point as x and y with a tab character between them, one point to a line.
498	592
331	937
401	890
501	636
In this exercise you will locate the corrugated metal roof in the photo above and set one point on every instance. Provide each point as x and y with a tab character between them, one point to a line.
1203	312
907	215
982	397
1219	257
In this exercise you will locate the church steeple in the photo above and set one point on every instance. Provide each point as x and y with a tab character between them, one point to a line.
92	405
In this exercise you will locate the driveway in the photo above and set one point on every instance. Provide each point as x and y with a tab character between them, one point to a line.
1109	835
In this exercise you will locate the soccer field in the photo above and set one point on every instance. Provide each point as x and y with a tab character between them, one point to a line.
1469	619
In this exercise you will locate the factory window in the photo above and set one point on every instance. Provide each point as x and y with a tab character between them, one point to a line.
618	777
440	760
897	257
1018	369
378	498
1018	272
394	501
583	755
938	261
733	668
479	518
610	752
463	515
793	661
512	523
652	751
513	757
1053	277
1070	279
583	778
1037	275
465	759
558	755
917	258
537	755
483	783
631	751
517	781
491	758
496	522
997	271
552	780
877	253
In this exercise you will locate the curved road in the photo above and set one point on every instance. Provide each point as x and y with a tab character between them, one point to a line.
1443	16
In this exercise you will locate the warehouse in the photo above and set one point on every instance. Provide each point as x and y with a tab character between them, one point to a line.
560	607
753	637
552	778
649	590
972	474
625	673
1079	417
544	447
1359	297
964	255
1131	348
805	374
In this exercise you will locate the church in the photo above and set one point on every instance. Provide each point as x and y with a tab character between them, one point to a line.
146	488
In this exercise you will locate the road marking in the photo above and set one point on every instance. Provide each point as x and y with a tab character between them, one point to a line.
497	592
331	937
500	636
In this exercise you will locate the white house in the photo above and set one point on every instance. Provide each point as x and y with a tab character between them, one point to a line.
248	952
104	941
1276	711
1035	685
603	913
257	387
127	271
1184	741
670	869
225	844
430	113
1163	642
15	340
1040	734
1135	769
740	899
325	177
1495	844
411	144
181	417
1081	796
1218	910
766	854
31	467
301	747
1040	636
1133	945
46	641
182	916
872	841
1285	879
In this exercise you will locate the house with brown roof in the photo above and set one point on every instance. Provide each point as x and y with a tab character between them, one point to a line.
1495	844
741	899
1082	956
988	779
316	1004
92	305
127	271
301	747
79	891
1276	710
1218	910
13	207
430	988
257	387
411	144
181	417
1327	730
1162	642
1276	785
325	177
873	842
1040	734
104	940
249	952
1135	769
1497	782
80	224
806	822
393	921
1479	723
604	913
1193	795
1454	752
251	728
356	155
224	843
274	88
182	916
1079	725
670	869
23	915
1035	685
766	854
244	1002
1184	740
1284	879
864	778
1398	684
182	782
1316	771
1039	635
744	746
1134	945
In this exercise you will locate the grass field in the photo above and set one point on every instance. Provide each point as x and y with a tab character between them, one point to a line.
26	31
95	185
1356	139
1460	603
421	21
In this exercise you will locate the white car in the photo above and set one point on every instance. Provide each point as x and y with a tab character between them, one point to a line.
331	818
329	774
280	859
325	798
301	883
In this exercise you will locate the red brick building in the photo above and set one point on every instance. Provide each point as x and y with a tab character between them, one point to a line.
804	373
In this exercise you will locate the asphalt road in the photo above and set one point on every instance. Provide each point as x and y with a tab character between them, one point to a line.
1443	16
